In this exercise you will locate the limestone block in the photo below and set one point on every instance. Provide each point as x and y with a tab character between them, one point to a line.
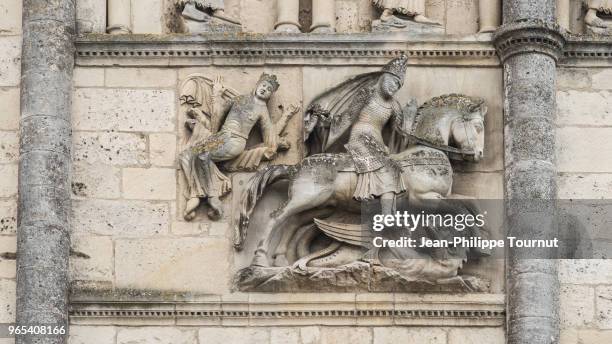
589	336
7	341
124	149
436	10
585	186
233	335
120	218
156	335
8	217
91	16
162	149
584	149
140	77
147	16
461	17
9	147
8	245
10	60
92	258
9	98
494	335
573	78
8	181
183	228
10	12
7	301
88	77
479	185
584	108
603	304
258	15
149	183
284	335
585	271
603	80
354	16
310	335
85	334
353	335
390	335
96	181
220	229
199	265
577	308
123	110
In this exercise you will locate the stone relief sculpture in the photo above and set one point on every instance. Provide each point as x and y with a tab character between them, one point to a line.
220	123
598	18
323	16
404	15
202	16
365	147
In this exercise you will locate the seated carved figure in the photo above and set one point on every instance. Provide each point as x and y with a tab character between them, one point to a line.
220	124
595	19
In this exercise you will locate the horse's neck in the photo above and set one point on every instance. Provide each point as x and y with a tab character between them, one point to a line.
438	131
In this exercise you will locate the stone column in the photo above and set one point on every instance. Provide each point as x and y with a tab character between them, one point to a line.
119	19
323	16
44	167
529	45
489	15
288	12
563	14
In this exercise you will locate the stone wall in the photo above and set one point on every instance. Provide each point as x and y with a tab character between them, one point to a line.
584	121
10	65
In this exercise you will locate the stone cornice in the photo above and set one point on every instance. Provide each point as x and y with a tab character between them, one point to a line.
298	309
529	36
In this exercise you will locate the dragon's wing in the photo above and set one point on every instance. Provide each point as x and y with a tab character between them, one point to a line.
348	233
332	113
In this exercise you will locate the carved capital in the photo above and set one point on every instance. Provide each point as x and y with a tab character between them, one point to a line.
529	36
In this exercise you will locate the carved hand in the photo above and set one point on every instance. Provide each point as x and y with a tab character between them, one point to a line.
217	86
293	109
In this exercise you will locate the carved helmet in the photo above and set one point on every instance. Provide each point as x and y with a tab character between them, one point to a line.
397	67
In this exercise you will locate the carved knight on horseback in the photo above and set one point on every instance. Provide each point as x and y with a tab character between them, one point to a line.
351	162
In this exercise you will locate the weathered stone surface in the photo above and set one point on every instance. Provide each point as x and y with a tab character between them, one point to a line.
10	49
602	80
9	98
110	148
162	149
140	77
156	335
592	336
8	248
220	229
387	335
149	183
10	12
9	147
88	77
148	17
585	186
91	16
584	108
603	304
123	110
577	307
85	334
7	301
477	336
92	258
461	17
355	335
479	185
231	335
8	217
96	181
8	182
258	16
284	335
120	218
573	78
310	335
188	228
182	264
585	271
582	149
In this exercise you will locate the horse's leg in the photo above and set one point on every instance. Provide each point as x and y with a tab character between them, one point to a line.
304	194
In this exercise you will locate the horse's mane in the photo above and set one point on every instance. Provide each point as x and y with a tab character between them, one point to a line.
460	102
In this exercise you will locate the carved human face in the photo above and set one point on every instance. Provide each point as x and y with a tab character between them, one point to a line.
389	85
264	90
